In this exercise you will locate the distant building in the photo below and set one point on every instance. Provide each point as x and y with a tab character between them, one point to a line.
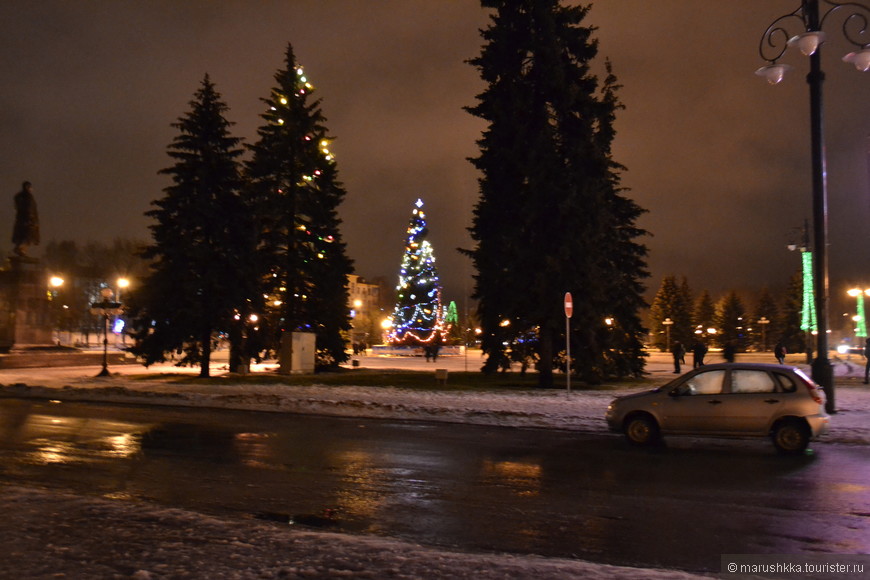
364	303
362	296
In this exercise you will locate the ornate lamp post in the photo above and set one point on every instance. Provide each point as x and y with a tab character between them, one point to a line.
776	39
106	308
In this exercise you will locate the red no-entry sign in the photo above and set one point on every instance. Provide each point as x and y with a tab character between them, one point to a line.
569	305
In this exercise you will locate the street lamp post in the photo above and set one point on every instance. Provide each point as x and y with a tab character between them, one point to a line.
763	321
667	322
105	308
122	283
357	324
773	45
55	283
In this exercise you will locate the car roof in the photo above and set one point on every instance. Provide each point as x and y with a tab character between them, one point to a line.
747	366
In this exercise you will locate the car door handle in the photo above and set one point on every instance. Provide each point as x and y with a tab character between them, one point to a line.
771	401
714	402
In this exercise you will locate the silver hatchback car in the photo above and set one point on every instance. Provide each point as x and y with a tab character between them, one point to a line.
727	400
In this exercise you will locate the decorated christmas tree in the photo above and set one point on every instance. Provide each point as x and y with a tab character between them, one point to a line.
417	318
451	324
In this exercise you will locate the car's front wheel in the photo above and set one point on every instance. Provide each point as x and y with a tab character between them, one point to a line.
641	430
790	437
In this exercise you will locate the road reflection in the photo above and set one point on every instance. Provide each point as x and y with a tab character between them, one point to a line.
545	492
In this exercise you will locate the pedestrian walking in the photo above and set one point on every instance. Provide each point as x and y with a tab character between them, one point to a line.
730	351
679	354
699	351
779	351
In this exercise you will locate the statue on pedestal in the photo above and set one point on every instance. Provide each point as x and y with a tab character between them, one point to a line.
25	319
25	232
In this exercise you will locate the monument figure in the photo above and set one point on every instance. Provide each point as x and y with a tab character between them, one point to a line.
25	232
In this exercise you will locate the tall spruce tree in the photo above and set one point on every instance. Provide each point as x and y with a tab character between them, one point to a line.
295	189
552	216
704	314
732	321
765	333
671	313
202	242
684	326
623	255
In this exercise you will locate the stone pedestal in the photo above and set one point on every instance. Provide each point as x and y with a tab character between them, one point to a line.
25	319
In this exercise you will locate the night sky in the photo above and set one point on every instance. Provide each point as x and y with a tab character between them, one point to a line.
719	158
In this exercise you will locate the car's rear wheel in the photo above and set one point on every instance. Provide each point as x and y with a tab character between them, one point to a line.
790	437
641	430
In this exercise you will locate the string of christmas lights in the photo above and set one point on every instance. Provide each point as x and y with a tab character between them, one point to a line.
808	310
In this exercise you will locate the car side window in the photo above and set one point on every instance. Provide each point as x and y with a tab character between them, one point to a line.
752	382
708	383
786	383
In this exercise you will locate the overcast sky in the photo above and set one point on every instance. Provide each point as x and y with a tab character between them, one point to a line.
720	159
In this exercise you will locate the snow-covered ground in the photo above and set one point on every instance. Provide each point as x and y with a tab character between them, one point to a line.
58	535
47	534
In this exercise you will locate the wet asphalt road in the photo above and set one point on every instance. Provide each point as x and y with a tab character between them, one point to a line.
545	492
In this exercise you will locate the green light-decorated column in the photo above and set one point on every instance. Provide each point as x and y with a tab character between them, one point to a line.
808	307
861	326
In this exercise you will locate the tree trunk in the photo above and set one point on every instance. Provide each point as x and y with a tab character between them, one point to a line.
545	368
236	347
206	355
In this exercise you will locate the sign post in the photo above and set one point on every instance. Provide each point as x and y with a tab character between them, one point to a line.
569	310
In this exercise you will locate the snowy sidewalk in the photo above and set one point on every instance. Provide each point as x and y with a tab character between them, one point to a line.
579	410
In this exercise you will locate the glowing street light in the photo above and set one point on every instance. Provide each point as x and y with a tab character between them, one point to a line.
122	283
